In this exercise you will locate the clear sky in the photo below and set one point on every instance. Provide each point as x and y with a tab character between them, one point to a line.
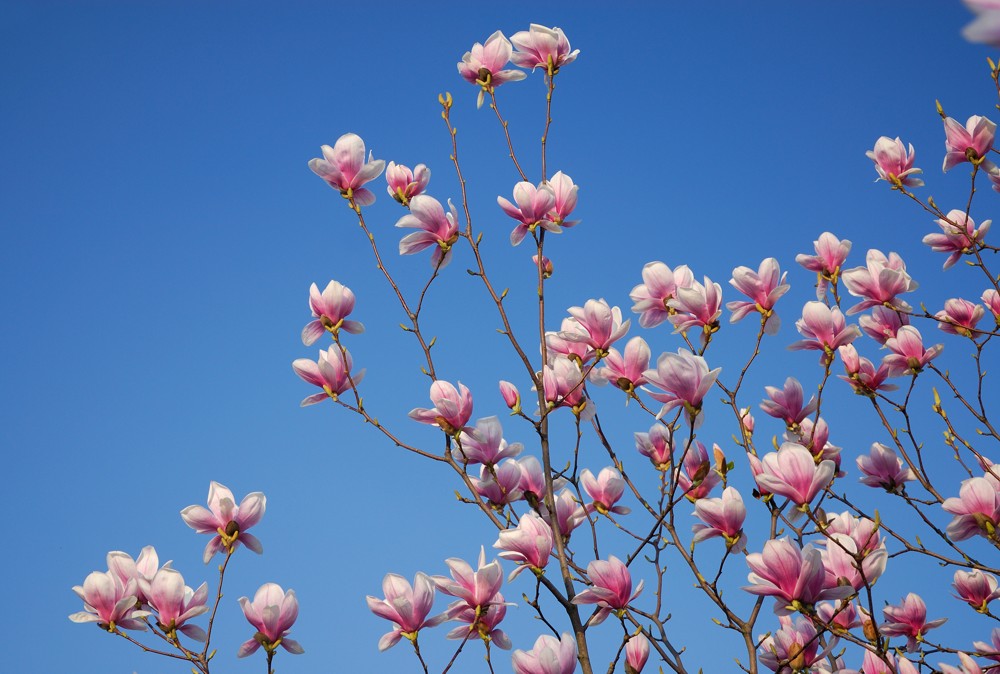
160	229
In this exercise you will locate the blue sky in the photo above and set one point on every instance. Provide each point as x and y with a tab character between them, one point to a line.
161	230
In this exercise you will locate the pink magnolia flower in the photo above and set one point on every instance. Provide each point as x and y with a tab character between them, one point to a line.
960	317
482	621
794	577
636	653
611	588
569	513
840	616
815	437
959	236
109	602
227	521
485	444
404	184
685	380
882	468
598	325
976	588
976	509
908	353
991	298
140	569
971	143
562	385
825	329
695	476
272	612
511	396
175	603
831	253
842	567
969	666
499	484
331	309
986	26
532	210
786	403
861	530
990	650
862	375
452	407
332	373
529	543
793	648
657	445
874	664
405	606
533	482
549	656
576	348
483	65
909	619
879	282
474	589
659	286
625	372
721	517
564	190
883	323
344	168
605	490
764	287
542	47
893	163
697	306
437	228
792	472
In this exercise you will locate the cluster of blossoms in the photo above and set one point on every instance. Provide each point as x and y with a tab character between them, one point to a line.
332	371
819	567
140	594
818	580
480	606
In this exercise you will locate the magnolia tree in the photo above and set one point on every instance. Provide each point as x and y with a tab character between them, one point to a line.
785	547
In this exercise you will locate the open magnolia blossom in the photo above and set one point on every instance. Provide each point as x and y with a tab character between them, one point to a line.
542	47
549	656
404	184
894	162
273	611
331	308
452	408
142	569
484	65
174	603
344	168
109	602
406	607
227	522
331	372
